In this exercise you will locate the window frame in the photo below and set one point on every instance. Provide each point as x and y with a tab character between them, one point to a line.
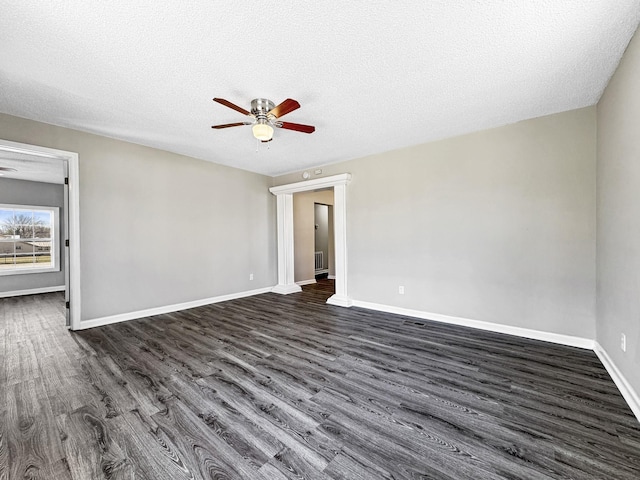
55	240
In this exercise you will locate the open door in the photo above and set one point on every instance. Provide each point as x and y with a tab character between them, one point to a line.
70	220
65	236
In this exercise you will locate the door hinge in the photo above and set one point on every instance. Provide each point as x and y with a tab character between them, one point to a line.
66	180
66	243
67	305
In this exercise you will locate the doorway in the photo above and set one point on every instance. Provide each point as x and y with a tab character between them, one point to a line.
35	167
311	235
323	263
285	231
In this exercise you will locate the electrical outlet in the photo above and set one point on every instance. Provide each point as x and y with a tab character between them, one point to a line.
401	290
623	342
251	276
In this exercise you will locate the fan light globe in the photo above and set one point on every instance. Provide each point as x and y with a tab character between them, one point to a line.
262	131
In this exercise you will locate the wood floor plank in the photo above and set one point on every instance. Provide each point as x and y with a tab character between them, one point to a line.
293	466
4	450
58	381
104	379
280	387
440	450
173	350
21	360
293	431
140	375
4	453
34	447
382	452
350	466
272	472
203	451
257	444
150	450
90	449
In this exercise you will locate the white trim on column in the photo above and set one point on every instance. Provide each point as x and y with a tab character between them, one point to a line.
74	214
286	283
286	289
340	297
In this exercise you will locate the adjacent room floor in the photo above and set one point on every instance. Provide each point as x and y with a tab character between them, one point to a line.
282	387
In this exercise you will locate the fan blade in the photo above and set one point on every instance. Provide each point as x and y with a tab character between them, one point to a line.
227	125
288	106
297	127
227	103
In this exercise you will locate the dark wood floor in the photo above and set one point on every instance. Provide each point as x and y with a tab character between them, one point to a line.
287	387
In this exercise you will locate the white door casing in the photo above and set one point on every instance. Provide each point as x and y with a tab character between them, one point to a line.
284	198
73	213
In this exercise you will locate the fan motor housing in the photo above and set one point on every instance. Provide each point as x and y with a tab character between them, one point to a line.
261	106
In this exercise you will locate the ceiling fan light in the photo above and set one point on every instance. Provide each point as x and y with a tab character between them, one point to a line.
262	131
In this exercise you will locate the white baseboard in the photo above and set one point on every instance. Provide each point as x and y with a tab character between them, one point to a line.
32	291
306	282
630	395
321	271
492	327
123	317
331	277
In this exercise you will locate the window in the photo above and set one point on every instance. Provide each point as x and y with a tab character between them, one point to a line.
28	239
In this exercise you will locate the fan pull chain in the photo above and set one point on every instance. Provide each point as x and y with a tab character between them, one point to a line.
258	142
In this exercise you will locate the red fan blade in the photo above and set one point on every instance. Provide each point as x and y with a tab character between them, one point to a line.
227	103
227	125
288	106
298	127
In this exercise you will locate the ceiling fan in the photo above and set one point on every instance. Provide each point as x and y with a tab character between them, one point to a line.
264	116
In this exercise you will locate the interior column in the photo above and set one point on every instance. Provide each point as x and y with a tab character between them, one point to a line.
286	283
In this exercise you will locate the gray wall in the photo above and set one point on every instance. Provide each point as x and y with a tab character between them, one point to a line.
21	192
618	214
158	228
497	226
304	232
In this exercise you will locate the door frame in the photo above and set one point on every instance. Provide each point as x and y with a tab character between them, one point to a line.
329	231
284	212
73	216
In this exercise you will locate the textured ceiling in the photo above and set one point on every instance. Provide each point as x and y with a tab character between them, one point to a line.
371	75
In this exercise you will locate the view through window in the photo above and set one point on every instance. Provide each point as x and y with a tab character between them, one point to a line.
27	239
